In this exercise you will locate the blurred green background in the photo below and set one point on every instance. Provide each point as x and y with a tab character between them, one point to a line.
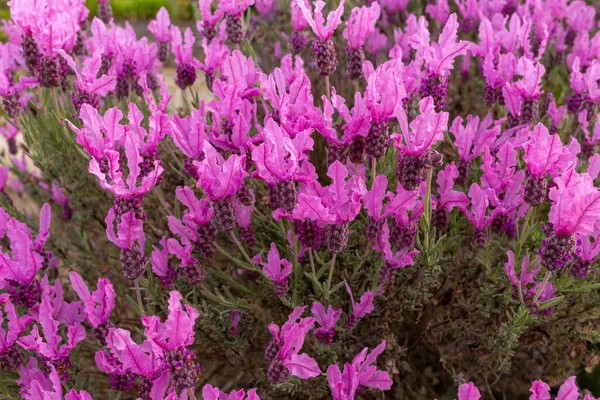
133	9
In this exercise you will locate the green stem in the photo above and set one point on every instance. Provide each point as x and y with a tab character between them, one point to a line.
239	245
373	169
312	262
55	100
138	294
363	259
427	209
327	87
331	269
239	263
541	289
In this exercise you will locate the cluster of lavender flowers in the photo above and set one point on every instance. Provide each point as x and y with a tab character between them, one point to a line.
289	188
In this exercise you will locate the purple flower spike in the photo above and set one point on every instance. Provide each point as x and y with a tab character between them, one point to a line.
527	284
208	26
49	347
415	143
468	391
276	269
360	373
324	46
183	47
358	27
213	393
97	305
10	356
327	321
282	351
439	58
359	311
161	29
130	238
480	201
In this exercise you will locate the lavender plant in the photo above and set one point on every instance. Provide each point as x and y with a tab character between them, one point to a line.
298	224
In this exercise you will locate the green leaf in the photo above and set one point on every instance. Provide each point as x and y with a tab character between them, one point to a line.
551	303
135	305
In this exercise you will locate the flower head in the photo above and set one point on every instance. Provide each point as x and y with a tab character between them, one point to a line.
439	57
97	305
220	178
323	30
361	24
161	26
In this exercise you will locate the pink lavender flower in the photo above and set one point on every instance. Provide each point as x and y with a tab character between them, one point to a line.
585	87
362	308
102	137
498	70
283	352
189	134
415	143
172	338
63	200
335	205
10	356
189	266
183	47
477	214
221	191
208	25
324	47
233	10
360	24
130	238
439	58
447	198
160	264
215	53
526	285
89	85
544	155
277	162
10	133
276	269
299	24
213	393
358	27
587	250
373	205
327	320
575	210
97	305
567	391
49	347
51	388
528	88
556	115
243	215
471	140
161	29
360	373
439	11
393	260
198	218
468	391
125	360
266	8
11	92
384	93
18	270
405	209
